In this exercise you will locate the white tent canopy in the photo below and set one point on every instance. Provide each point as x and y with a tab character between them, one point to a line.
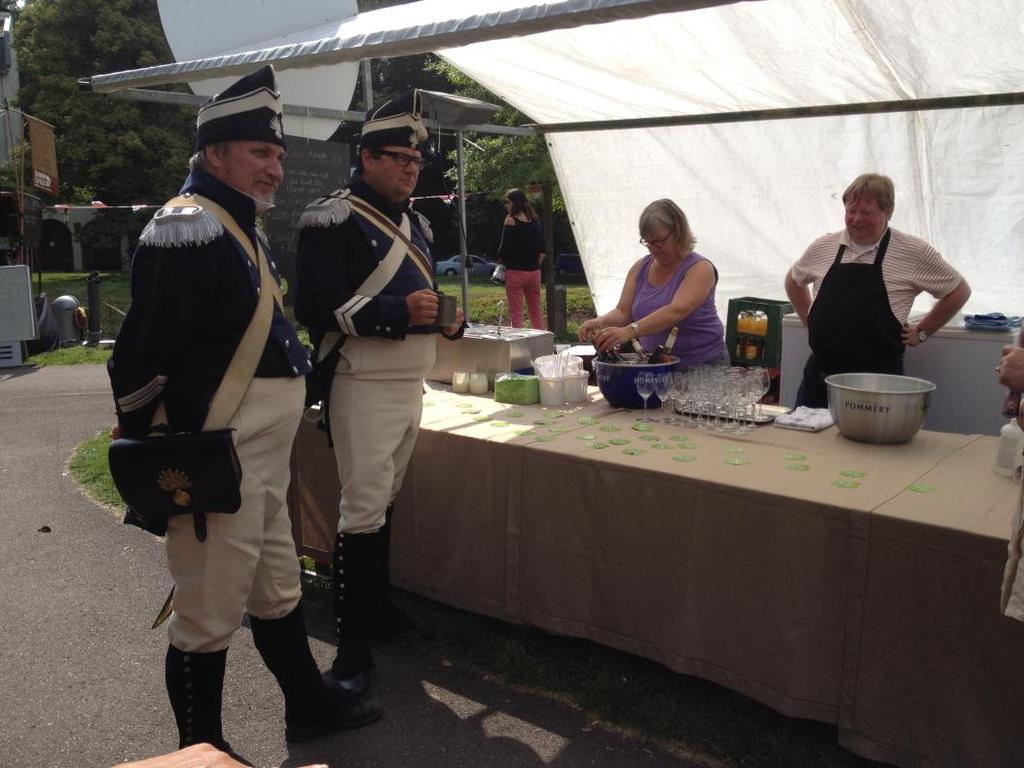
756	193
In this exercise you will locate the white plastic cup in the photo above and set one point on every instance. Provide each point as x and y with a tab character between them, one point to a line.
576	387
1009	452
552	391
460	382
478	383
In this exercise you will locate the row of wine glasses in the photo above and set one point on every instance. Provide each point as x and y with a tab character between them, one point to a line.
716	398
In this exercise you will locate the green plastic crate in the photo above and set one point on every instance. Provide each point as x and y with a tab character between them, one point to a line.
769	346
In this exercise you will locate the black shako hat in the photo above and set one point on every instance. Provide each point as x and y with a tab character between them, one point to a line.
248	110
395	123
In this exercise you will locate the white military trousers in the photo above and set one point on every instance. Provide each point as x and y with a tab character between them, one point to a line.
248	561
375	409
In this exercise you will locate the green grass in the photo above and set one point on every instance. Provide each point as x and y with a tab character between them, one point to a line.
115	297
691	717
71	356
88	466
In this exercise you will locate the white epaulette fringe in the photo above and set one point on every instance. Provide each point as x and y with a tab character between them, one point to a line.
181	225
428	233
327	211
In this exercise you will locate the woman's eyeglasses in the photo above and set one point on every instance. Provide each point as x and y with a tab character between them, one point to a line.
655	243
403	160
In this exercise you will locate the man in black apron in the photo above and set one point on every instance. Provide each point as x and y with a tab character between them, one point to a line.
851	324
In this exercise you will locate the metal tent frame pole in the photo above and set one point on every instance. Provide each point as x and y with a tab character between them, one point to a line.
462	226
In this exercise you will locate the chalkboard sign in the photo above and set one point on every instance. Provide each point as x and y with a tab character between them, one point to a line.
312	169
17	309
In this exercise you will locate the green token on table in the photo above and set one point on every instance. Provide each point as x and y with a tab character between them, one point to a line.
525	433
545	438
735	461
586	421
499	423
649	438
679	439
618	441
684	457
641	426
514	414
597	444
610	428
586	437
634	451
794	457
735	449
463	405
846	484
558	430
921	488
798	467
852	473
481	417
663	446
471	410
542	422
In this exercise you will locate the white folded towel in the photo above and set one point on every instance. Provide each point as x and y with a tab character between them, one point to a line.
805	419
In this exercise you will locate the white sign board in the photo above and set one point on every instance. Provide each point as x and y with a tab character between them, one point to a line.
17	309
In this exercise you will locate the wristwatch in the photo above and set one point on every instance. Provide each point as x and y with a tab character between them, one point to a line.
921	335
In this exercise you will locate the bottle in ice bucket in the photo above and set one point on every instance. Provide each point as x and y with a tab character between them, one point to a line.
662	353
610	355
641	353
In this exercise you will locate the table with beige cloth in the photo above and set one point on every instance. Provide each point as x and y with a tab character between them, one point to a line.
849	583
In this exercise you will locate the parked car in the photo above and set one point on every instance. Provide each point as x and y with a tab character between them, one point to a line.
568	264
453	266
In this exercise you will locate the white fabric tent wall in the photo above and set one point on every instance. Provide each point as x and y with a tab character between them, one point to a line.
758	193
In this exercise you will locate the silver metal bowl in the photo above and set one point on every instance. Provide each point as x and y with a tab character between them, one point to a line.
878	407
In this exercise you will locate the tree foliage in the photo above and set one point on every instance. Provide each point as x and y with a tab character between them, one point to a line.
120	151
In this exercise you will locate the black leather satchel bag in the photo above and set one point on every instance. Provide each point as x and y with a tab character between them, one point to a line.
181	474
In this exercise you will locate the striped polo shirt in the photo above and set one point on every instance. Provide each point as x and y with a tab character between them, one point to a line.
910	267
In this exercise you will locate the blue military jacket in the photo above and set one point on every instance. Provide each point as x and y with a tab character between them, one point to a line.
194	291
337	251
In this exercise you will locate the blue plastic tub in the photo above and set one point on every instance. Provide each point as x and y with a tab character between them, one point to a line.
617	382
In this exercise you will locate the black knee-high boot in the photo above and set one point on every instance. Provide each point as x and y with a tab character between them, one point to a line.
389	621
310	708
195	684
357	564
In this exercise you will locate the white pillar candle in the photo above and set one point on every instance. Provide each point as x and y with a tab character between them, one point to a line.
460	382
478	383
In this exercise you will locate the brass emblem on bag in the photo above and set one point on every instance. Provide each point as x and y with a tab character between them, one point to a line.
176	483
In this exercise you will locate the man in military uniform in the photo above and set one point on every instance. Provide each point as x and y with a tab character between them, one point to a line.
194	292
365	289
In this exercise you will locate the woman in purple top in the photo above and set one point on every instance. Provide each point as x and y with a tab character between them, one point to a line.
672	286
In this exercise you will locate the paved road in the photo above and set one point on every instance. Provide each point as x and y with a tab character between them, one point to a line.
81	674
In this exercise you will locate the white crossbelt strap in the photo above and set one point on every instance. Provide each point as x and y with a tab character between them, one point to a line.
247	354
375	281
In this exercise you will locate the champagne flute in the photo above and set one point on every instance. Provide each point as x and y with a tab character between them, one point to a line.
645	388
662	386
764	378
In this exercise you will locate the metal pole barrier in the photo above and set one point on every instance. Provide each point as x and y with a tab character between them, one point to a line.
92	284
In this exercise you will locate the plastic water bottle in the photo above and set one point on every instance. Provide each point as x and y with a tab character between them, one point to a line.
1011	444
